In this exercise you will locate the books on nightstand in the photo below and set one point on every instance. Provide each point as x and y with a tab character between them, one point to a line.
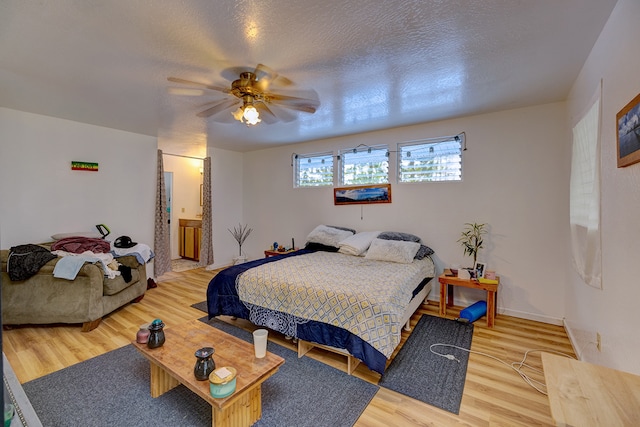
488	281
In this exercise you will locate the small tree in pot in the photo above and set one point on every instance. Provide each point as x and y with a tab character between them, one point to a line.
471	239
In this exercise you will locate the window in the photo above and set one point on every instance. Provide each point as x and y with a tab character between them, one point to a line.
364	165
584	196
430	160
313	170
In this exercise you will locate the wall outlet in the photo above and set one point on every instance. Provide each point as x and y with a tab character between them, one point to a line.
598	341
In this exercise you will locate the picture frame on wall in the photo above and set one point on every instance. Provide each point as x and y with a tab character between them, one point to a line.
479	269
628	133
362	194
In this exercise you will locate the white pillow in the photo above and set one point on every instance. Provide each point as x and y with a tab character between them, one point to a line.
357	244
328	236
392	250
91	234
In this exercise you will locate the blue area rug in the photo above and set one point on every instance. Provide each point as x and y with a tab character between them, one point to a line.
113	389
418	373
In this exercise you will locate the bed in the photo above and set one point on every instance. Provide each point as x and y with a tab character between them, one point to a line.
349	303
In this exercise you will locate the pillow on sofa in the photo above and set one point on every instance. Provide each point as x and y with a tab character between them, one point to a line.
90	234
392	250
328	236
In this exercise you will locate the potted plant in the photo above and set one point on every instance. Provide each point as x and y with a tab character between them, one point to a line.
471	239
240	233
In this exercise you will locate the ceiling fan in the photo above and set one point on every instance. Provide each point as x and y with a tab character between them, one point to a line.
257	95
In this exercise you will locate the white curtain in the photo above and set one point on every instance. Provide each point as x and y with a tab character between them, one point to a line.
206	243
584	206
162	260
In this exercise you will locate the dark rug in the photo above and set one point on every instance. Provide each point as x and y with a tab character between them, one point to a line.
422	375
113	389
202	306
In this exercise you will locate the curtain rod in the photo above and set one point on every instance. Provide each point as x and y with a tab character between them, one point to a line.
180	155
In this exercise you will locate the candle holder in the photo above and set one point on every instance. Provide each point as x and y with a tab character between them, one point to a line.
156	334
204	363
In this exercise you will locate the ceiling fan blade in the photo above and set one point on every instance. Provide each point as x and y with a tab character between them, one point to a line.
192	83
220	106
308	97
185	91
267	76
281	113
266	115
304	108
307	105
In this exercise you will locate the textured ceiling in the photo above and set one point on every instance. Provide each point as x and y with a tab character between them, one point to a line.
375	64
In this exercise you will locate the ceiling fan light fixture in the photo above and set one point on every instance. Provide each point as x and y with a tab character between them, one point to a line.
251	115
237	114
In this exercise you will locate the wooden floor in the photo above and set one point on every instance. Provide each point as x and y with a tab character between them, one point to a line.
494	394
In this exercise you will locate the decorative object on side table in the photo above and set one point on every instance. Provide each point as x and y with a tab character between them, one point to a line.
240	233
156	334
471	239
222	382
143	334
204	363
479	269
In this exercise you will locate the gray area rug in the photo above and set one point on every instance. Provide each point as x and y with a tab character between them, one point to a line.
202	306
418	373
113	389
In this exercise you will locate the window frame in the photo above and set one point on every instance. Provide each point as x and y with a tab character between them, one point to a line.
429	142
310	156
360	149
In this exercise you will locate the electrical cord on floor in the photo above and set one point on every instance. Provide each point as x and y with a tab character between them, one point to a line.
516	366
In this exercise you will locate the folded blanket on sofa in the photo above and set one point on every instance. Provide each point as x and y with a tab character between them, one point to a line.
78	245
141	251
70	264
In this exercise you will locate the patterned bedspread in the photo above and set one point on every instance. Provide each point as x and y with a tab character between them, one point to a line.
365	297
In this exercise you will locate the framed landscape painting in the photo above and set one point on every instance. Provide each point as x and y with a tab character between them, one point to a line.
628	133
362	194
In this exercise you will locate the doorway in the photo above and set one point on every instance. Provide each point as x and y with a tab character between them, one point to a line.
168	187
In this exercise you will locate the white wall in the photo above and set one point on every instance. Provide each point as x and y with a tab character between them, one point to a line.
611	311
186	194
40	195
515	179
226	194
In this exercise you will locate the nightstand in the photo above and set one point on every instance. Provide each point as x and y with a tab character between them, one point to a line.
445	291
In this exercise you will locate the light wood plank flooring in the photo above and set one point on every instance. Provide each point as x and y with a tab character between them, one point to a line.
494	394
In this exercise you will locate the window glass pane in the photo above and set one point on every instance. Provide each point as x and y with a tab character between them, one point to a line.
314	170
429	160
361	166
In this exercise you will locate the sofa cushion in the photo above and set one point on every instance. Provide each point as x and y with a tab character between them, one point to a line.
117	284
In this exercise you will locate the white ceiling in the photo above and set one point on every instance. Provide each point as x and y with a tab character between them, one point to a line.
375	64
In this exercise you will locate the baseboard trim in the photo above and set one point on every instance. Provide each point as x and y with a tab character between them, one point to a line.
532	316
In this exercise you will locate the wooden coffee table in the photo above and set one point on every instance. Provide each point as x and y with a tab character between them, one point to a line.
173	363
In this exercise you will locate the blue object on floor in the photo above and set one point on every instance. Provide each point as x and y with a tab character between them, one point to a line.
474	311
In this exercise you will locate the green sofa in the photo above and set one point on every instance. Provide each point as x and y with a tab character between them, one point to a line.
44	299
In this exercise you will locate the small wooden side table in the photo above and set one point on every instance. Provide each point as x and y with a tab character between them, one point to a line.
270	252
446	294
